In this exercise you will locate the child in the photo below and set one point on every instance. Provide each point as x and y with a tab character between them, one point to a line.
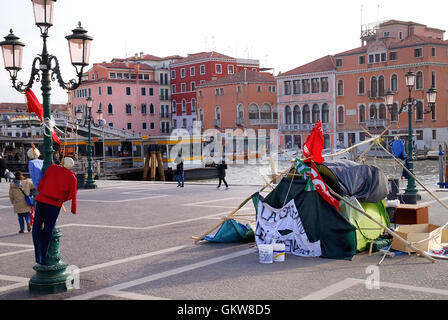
17	190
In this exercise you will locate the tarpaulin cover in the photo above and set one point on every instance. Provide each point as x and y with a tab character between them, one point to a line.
364	182
320	220
232	231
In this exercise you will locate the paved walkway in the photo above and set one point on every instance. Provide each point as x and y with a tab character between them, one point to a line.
132	240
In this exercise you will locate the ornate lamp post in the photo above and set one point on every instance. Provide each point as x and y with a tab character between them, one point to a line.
90	183
45	67
410	104
51	277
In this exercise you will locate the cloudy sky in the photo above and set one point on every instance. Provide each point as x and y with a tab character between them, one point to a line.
282	34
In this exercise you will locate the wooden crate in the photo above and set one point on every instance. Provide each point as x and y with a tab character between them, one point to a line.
411	214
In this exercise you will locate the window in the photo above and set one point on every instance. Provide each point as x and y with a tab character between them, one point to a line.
202	69
340	88
373	87
419	111
110	109
151	91
109	90
383	57
325	113
99	91
400	35
230	69
111	125
373	114
394	113
306	114
315	113
362	114
192	71
393	55
381	86
324	84
361	86
315	85
143	108
182	73
128	91
361	60
218	68
183	87
173	74
173	88
394	83
253	111
258	88
287	115
296	114
371	58
129	126
184	106
143	91
112	75
306	86
433	79
151	108
386	34
419	134
128	109
295	87
193	105
382	112
192	86
144	125
184	123
338	62
433	113
434	134
340	115
433	52
151	125
419	81
287	87
418	52
238	89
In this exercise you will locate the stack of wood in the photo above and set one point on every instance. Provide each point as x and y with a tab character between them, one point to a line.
153	163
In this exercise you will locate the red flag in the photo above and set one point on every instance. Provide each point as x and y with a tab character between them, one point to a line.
321	188
315	144
34	104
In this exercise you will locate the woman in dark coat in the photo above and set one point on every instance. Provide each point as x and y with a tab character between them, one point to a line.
222	174
2	169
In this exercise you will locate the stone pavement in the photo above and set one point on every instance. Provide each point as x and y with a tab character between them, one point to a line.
132	240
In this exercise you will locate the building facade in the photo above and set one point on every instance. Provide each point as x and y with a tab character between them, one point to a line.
194	70
306	95
126	92
364	75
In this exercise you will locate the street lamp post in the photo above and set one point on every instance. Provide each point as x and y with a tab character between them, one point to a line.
51	277
45	67
411	195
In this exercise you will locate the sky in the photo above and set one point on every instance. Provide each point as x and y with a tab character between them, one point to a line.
281	34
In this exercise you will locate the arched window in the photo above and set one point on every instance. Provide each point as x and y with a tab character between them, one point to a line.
361	86
287	115
325	113
394	83
266	111
110	109
254	112
201	114
240	111
340	88
306	114
184	105
340	114
394	113
382	112
362	113
173	106
419	111
419	81
297	141
316	113
217	113
296	114
275	113
381	86
193	105
373	87
373	112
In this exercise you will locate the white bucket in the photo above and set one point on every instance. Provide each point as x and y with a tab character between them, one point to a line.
279	252
265	253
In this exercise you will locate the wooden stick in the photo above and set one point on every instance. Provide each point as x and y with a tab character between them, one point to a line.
389	231
370	249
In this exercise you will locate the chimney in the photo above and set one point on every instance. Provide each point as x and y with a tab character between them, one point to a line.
141	55
245	74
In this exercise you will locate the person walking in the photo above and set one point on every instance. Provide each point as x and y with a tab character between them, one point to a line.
222	167
2	169
35	166
179	162
20	187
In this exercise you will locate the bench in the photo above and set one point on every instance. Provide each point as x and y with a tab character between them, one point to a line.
411	214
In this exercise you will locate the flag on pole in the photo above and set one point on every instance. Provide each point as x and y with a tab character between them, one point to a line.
314	145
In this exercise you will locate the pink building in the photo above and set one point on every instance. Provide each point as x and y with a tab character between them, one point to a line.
126	92
306	95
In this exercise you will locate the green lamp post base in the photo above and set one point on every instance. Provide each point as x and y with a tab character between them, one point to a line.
410	198
52	277
90	185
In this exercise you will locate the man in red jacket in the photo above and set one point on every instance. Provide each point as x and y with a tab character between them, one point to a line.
58	184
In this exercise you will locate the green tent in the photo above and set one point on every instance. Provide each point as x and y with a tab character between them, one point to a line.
366	229
232	231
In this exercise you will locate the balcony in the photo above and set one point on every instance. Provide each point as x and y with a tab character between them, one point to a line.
375	95
291	127
376	123
165	115
258	122
239	121
217	123
165	98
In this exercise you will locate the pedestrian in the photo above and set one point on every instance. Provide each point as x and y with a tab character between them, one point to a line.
35	166
20	187
2	169
222	167
179	162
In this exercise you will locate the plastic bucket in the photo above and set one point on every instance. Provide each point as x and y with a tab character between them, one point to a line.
279	252
265	253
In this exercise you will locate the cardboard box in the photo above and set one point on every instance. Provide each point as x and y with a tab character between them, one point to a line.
417	232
